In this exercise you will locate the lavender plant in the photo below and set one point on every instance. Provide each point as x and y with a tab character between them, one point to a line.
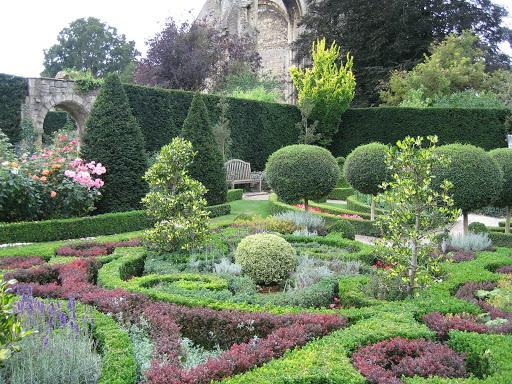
61	350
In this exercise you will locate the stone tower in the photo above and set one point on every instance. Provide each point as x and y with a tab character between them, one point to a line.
271	23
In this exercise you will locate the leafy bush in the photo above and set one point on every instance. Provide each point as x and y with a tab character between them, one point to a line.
386	361
472	241
175	201
234	194
477	227
503	158
301	172
344	227
266	258
443	324
88	249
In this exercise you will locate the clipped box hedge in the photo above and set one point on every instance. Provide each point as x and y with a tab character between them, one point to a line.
106	224
356	206
234	194
340	193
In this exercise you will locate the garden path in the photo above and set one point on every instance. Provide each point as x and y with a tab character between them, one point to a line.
456	228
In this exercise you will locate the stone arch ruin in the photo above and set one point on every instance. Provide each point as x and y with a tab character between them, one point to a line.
46	94
273	24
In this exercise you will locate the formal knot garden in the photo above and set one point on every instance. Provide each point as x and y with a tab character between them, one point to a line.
125	265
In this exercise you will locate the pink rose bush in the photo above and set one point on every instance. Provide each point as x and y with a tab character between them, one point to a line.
51	183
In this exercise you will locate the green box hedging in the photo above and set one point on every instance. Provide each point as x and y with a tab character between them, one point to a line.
340	193
500	239
50	230
354	205
257	128
234	194
481	127
13	90
362	227
106	224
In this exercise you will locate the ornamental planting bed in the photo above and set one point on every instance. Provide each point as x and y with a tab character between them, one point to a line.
466	316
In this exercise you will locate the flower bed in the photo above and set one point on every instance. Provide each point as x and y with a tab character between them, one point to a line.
315	209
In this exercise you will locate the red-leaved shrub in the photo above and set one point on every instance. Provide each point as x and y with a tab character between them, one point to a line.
91	249
506	269
385	362
442	324
19	262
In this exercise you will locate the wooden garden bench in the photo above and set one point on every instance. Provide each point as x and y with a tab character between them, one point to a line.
239	172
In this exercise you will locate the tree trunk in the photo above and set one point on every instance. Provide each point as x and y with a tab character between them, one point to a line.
507	221
414	258
306	206
465	223
372	212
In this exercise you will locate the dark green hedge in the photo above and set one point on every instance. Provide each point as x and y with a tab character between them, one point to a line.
54	121
483	128
340	193
235	194
13	90
107	224
257	128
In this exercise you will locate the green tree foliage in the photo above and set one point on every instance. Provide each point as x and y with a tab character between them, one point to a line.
250	85
329	88
365	170
222	131
11	331
113	138
503	157
416	212
185	56
175	201
388	35
456	64
302	172
308	133
13	90
89	44
208	167
469	99
476	177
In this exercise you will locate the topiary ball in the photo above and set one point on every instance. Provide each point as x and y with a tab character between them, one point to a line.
266	258
302	172
365	168
477	227
345	227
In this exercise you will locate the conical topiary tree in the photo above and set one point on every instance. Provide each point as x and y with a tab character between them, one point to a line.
208	167
113	138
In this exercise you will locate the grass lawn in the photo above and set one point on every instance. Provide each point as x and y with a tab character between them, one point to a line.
249	207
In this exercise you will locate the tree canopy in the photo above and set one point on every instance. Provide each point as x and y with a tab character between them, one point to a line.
384	35
89	45
186	56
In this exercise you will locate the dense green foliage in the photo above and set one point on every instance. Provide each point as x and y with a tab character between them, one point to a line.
483	128
266	258
302	172
503	157
175	200
365	168
208	166
13	90
476	178
89	44
56	121
257	128
113	138
326	87
384	35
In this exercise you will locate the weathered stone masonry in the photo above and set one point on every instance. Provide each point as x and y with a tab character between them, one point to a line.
273	24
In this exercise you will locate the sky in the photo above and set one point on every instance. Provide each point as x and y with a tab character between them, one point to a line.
28	27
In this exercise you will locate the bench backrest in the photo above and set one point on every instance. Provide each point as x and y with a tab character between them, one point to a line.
237	169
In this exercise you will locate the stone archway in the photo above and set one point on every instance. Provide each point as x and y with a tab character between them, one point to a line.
46	94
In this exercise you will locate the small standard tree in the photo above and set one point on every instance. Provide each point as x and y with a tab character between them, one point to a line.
365	170
222	131
503	157
175	201
302	172
476	178
208	167
113	138
415	213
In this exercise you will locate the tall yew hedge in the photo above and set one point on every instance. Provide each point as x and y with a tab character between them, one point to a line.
13	90
207	166
113	137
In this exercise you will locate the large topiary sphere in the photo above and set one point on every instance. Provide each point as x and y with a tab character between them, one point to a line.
503	157
476	177
266	258
302	172
365	168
